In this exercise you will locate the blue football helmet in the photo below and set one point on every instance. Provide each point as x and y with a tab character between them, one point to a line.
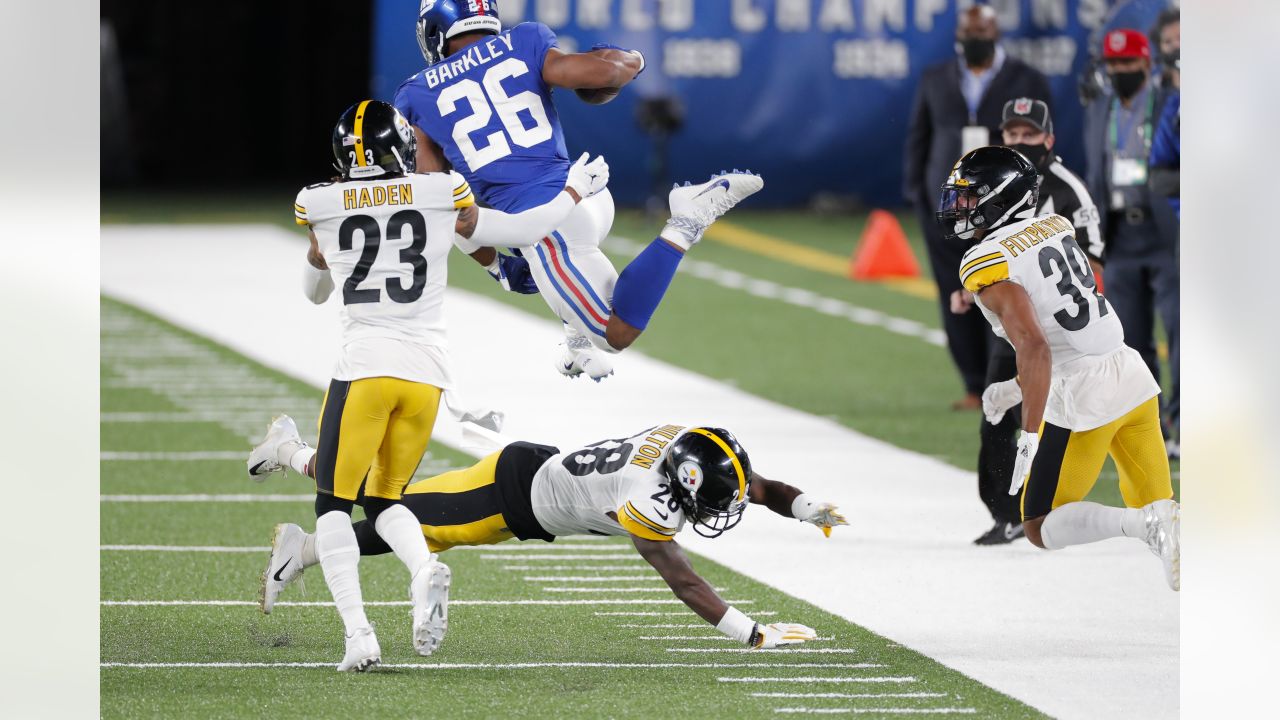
439	20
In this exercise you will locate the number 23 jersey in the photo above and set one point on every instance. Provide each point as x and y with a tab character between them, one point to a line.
574	492
1096	377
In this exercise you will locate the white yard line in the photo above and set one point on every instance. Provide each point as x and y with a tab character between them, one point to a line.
580	567
912	517
836	695
664	626
543	547
756	613
242	498
601	556
126	456
177	417
661	589
398	603
813	679
589	578
875	711
471	666
778	651
186	548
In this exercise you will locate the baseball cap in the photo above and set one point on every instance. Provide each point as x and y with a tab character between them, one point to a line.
1027	110
1125	43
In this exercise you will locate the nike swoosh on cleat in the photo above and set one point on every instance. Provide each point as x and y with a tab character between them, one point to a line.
282	567
254	470
723	183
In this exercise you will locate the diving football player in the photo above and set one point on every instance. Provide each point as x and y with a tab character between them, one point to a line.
646	487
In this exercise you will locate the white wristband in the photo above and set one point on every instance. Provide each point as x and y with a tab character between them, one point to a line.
736	625
801	507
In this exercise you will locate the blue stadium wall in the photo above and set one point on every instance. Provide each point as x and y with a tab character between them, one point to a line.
815	94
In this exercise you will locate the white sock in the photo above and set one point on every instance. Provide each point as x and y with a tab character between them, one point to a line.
297	457
680	232
1079	523
399	527
309	556
339	555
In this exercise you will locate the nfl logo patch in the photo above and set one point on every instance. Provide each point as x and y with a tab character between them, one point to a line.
1116	40
1022	106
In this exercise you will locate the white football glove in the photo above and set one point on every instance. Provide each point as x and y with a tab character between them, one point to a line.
588	178
999	398
771	636
1028	443
822	514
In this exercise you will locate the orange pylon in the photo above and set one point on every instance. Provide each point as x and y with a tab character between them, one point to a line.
883	251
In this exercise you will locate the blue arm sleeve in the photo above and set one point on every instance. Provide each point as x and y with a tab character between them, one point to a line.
1166	148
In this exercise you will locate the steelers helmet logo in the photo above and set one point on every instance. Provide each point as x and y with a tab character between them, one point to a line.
690	476
402	127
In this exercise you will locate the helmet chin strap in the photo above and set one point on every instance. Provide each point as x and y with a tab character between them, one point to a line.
1014	209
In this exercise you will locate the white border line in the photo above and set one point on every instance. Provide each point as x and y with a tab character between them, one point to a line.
402	603
688	614
584	578
468	666
875	711
779	651
185	548
848	695
130	456
658	589
812	679
240	498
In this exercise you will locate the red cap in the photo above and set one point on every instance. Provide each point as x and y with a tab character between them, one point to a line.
1125	44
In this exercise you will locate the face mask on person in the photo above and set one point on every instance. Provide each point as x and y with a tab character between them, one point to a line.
1127	84
1038	154
977	51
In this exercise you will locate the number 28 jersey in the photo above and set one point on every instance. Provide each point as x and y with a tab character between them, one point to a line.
490	111
386	243
1096	378
574	492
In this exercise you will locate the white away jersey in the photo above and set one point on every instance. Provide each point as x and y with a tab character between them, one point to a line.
1096	378
574	492
386	241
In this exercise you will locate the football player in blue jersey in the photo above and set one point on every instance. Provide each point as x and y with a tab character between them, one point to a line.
483	106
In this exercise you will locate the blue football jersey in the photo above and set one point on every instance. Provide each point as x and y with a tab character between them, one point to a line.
488	108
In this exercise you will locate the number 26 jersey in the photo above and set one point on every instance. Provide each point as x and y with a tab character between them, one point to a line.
574	492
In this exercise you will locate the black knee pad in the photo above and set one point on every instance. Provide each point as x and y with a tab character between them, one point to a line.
326	503
373	507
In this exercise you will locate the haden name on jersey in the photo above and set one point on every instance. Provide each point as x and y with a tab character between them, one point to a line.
363	197
477	54
1035	233
650	449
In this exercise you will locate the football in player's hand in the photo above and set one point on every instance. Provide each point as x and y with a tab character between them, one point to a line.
597	96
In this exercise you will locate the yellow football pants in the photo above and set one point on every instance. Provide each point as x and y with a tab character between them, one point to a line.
375	431
459	507
1067	463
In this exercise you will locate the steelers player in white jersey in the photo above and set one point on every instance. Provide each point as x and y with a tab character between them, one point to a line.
1084	393
647	487
382	234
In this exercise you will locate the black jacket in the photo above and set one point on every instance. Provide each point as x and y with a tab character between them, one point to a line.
1064	193
1096	117
939	113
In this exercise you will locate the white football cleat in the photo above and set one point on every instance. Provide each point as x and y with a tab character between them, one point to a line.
429	592
1163	537
264	459
284	566
581	357
362	652
695	207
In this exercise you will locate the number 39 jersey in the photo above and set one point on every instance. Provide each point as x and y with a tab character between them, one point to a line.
386	242
574	492
1096	378
490	111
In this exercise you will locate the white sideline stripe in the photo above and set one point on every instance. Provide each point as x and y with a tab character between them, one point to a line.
241	498
186	548
399	603
554	547
660	589
665	614
589	578
601	556
708	637
179	417
189	455
875	711
779	651
666	626
466	666
811	679
848	695
799	297
571	567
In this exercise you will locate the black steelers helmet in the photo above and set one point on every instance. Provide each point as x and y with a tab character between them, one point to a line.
373	139
710	474
988	188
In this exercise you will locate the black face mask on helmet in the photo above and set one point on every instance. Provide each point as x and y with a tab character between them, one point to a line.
977	51
1039	155
1127	84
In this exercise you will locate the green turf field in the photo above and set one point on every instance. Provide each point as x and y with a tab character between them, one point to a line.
577	628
